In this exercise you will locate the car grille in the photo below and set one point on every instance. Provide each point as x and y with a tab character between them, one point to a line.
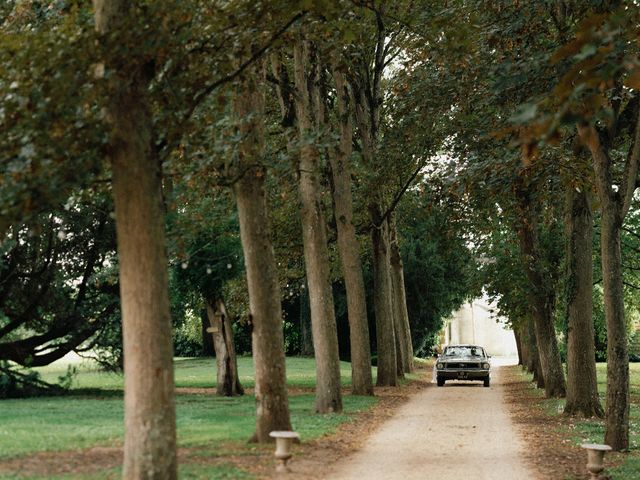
463	365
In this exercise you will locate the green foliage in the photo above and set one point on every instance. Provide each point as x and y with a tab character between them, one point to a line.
16	382
187	335
59	287
438	265
52	137
206	256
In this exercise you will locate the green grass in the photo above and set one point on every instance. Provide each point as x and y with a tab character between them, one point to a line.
58	423
64	423
217	425
108	474
592	430
189	372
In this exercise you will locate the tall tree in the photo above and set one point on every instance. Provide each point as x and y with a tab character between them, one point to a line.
615	201
582	385
262	276
204	240
599	91
314	237
150	436
348	245
542	297
383	300
366	86
401	315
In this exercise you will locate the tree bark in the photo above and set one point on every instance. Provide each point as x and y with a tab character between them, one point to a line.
149	409
267	337
147	337
401	315
541	296
518	336
525	342
385	331
618	401
228	381
314	237
545	334
208	349
582	385
534	366
366	87
367	116
349	247
614	205
400	346
306	337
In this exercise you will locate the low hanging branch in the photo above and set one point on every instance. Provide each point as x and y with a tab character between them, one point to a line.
15	384
400	193
204	93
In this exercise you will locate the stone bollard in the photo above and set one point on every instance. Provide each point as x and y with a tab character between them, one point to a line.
595	458
284	439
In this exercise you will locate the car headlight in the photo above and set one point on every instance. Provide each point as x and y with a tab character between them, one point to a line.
485	366
440	365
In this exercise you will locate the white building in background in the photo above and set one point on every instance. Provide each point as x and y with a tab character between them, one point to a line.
479	322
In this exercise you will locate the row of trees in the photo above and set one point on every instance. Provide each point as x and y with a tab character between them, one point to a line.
175	103
548	133
483	126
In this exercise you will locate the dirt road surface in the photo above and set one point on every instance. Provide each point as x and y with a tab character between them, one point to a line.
459	431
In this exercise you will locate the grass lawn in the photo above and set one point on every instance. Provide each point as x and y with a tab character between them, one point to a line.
592	430
90	418
189	372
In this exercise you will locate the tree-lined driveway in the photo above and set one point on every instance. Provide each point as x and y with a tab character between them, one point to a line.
459	431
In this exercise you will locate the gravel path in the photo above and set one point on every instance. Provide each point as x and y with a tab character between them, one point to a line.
461	431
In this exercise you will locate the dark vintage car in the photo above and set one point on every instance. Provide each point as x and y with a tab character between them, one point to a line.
463	362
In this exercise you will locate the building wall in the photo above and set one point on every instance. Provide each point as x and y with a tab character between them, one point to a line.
479	323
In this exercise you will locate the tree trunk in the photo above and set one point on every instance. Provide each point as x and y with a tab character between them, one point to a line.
149	450
228	382
525	343
267	337
149	409
519	347
264	303
618	402
523	346
401	315
306	338
349	247
207	339
546	341
400	353
314	238
367	96
385	332
582	386
541	297
535	367
614	203
366	115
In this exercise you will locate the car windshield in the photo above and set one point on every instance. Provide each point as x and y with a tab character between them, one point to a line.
464	352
